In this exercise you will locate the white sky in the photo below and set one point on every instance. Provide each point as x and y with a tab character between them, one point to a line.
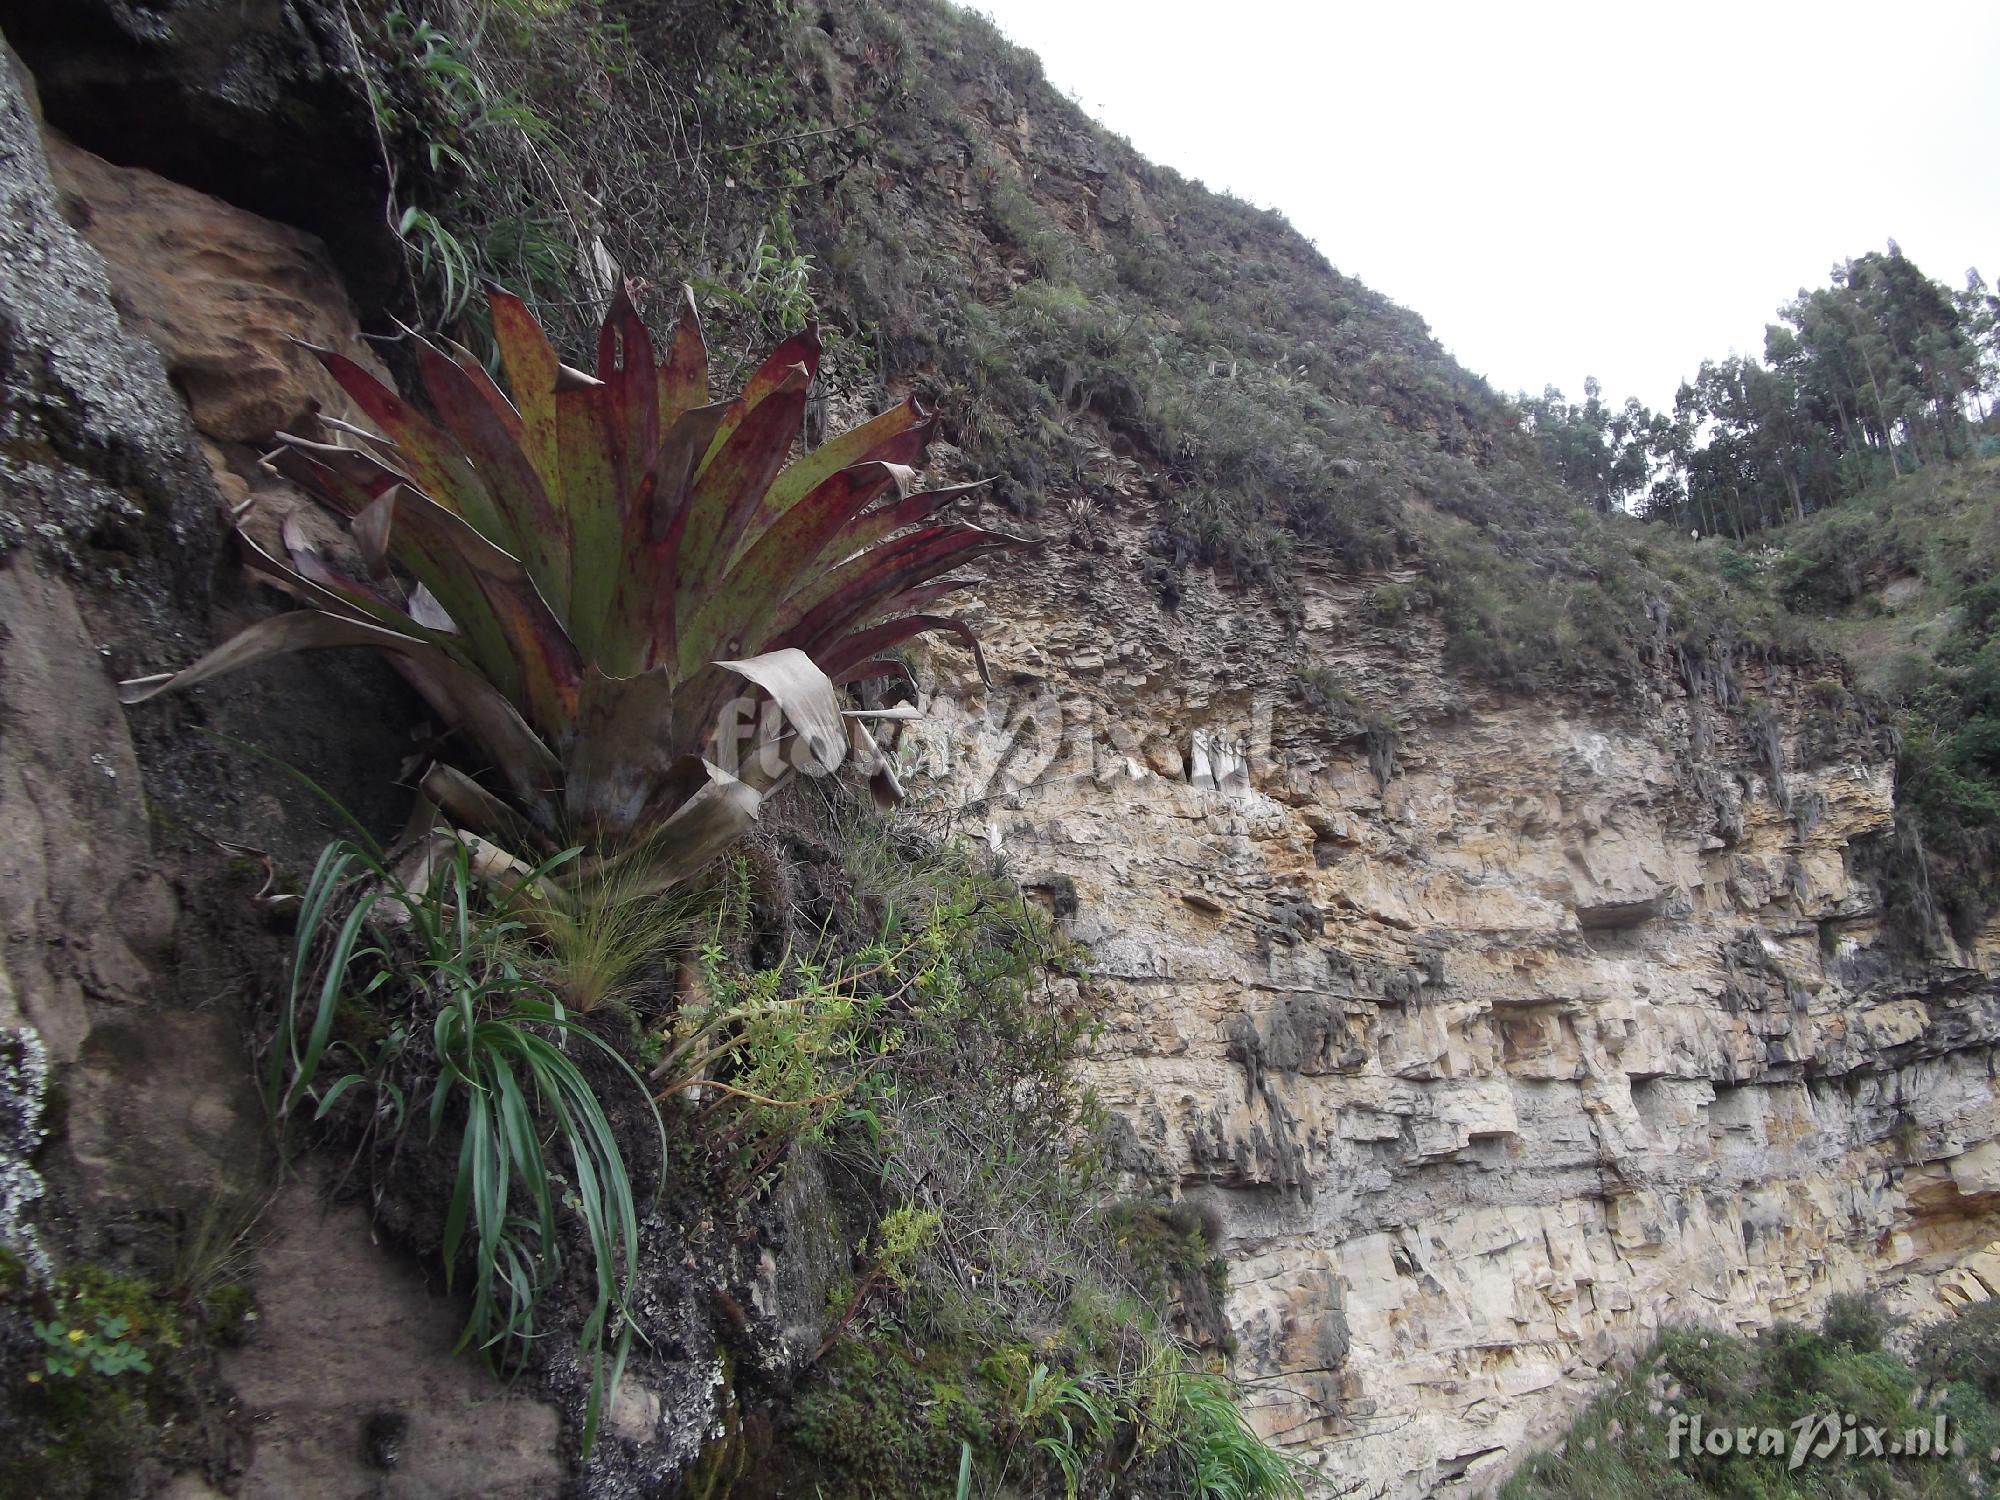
1564	190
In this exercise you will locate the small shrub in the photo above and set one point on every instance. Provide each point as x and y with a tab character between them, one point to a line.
1391	601
1619	1446
1737	568
1964	1348
1857	1321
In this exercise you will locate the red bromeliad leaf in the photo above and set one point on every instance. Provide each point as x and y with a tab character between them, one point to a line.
867	586
495	398
342	479
683	376
636	464
530	364
431	459
513	483
639	628
729	613
592	503
898	436
509	630
852	650
801	349
892	516
356	477
309	577
545	661
630	390
726	490
309	580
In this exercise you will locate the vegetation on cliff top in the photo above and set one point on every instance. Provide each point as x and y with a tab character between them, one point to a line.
1864	380
1106	336
1899	579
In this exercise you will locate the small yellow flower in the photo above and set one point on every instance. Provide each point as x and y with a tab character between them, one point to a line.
76	1335
34	1377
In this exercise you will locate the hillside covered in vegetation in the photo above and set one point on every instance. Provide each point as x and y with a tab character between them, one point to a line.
1094	330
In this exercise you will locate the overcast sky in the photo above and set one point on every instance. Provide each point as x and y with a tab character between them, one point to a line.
1561	190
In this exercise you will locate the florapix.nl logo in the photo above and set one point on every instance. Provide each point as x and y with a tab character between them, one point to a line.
1817	1435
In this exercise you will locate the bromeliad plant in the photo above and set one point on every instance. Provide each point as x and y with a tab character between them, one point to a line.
581	579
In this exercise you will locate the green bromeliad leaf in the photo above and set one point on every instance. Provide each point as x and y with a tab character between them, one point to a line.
585	574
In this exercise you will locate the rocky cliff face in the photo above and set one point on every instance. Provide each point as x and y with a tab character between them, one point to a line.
1492	1044
143	333
1491	1031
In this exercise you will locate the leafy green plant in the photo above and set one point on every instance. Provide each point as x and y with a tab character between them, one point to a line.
436	98
103	1346
500	1063
783	1049
441	256
775	284
582	579
1080	1422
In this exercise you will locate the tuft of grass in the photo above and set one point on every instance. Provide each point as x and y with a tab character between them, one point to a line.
1222	1456
608	934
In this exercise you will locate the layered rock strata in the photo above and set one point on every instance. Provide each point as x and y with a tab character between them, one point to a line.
1493	1033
